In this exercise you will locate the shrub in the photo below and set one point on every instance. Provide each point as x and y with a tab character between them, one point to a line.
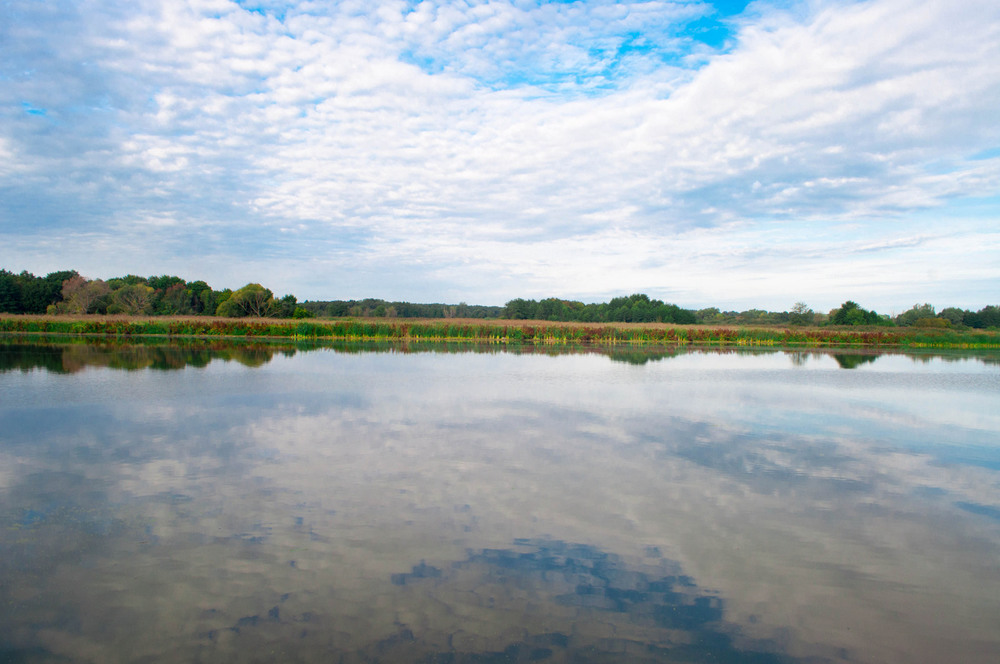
932	322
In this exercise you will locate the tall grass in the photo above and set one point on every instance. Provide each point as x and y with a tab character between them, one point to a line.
494	332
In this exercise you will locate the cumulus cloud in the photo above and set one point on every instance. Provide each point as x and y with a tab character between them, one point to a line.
432	145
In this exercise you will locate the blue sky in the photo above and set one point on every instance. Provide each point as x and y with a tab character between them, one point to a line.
724	154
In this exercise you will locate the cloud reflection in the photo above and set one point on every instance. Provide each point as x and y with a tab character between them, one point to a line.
374	505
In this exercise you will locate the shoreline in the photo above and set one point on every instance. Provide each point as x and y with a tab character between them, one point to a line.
493	331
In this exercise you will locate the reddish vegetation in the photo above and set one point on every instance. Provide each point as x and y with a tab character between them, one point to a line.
492	331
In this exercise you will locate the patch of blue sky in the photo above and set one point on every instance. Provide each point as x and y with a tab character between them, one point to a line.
31	109
426	63
982	510
555	81
991	153
940	167
606	70
614	56
964	207
277	9
523	74
640	45
716	29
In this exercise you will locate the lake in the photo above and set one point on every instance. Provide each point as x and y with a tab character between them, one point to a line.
227	503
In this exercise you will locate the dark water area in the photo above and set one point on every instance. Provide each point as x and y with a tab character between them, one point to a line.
221	502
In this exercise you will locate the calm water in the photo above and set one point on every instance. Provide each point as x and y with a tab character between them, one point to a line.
164	504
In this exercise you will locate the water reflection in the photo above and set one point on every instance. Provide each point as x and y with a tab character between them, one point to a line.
678	620
443	507
69	355
853	361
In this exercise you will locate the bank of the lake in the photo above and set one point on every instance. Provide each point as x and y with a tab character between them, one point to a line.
497	331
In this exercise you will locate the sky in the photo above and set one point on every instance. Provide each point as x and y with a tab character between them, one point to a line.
728	154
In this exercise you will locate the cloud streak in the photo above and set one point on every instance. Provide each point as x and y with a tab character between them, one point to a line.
484	151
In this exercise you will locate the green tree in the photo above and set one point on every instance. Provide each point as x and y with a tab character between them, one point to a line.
132	299
37	294
287	306
912	315
988	316
199	300
175	300
253	300
801	314
709	316
10	293
128	280
953	314
851	313
551	309
674	314
163	282
520	309
210	300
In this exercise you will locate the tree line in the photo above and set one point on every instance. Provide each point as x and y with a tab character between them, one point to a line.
851	313
68	292
637	308
376	308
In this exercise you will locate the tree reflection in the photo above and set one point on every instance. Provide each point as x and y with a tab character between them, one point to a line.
854	360
70	355
68	358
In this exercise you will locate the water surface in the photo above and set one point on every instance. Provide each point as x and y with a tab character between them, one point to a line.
238	504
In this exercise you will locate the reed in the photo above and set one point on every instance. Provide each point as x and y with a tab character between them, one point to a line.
495	332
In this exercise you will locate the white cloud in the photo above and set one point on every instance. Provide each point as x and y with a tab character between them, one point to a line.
555	143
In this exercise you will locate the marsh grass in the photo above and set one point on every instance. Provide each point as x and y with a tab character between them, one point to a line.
494	332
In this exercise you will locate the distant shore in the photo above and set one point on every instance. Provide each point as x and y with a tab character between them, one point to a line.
495	331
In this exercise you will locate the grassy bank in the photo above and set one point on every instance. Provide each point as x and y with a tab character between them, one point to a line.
496	331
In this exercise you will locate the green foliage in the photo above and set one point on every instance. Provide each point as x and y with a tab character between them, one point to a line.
953	315
175	300
709	316
253	301
987	317
133	299
66	292
370	308
212	299
25	293
917	312
637	308
286	306
851	313
801	314
128	280
932	322
540	335
10	293
164	282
